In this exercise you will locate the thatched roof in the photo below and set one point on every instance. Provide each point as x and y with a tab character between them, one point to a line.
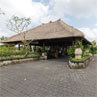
51	30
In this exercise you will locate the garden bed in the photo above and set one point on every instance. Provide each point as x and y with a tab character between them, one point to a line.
10	60
82	63
17	57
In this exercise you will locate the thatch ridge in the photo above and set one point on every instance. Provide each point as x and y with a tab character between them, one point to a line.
51	30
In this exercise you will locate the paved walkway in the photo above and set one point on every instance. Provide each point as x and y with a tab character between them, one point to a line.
48	78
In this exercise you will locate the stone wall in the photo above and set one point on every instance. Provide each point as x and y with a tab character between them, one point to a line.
7	62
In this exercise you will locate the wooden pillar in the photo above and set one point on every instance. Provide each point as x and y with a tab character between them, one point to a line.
8	45
72	43
19	47
43	46
30	48
34	48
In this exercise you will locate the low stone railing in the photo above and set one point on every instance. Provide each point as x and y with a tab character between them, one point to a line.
79	64
4	62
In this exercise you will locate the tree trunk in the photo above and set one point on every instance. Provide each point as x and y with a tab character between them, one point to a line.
27	48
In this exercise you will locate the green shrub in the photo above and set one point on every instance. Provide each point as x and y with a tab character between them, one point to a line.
87	50
78	44
93	48
71	51
5	51
12	52
8	51
84	54
35	53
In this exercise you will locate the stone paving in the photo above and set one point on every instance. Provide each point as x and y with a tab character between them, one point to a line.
48	78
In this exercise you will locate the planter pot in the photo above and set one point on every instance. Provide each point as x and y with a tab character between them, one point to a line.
80	64
78	53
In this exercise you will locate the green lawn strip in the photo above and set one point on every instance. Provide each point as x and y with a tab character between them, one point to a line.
83	58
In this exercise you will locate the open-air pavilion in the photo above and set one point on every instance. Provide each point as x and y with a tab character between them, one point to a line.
53	34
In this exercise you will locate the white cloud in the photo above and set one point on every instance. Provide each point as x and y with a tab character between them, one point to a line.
91	34
96	25
76	8
41	13
24	8
79	8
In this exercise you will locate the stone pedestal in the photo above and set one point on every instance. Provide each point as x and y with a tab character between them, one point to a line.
44	56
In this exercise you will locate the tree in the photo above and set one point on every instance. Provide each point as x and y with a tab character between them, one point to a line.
94	43
19	26
2	38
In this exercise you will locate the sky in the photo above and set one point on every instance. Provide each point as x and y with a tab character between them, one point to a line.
80	14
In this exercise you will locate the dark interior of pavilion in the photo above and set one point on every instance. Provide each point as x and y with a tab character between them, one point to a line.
56	48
